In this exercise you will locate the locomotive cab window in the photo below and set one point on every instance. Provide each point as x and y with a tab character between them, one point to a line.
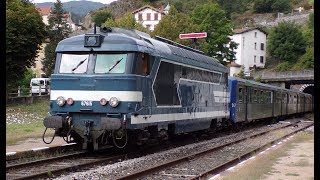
74	63
110	63
144	64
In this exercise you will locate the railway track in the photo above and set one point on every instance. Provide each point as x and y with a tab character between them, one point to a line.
54	166
199	165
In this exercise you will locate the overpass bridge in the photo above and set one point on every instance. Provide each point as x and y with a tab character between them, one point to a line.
286	79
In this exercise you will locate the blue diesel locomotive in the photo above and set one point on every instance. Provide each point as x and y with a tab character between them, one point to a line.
117	86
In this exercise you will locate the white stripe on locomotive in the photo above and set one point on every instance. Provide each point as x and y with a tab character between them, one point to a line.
76	95
140	119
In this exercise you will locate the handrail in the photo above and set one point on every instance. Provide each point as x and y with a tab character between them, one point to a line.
287	74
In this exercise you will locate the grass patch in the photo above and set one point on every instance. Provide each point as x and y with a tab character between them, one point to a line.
262	165
25	121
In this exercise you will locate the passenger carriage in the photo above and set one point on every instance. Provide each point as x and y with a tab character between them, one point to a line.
250	100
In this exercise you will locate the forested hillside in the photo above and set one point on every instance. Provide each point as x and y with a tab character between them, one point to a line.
78	8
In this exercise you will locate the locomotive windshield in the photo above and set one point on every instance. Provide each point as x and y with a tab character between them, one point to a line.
110	63
74	63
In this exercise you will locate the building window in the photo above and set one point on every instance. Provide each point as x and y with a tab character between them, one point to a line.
243	42
254	59
148	16
148	26
261	59
255	45
155	16
262	46
140	16
255	34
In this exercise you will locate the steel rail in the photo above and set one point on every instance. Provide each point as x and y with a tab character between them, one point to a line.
58	171
244	156
171	163
46	160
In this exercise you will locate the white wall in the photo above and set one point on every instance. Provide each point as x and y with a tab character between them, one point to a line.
146	22
45	20
234	71
246	49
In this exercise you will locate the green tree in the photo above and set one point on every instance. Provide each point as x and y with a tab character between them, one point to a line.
58	29
101	16
281	6
306	61
24	83
25	32
262	6
126	21
212	19
173	24
286	42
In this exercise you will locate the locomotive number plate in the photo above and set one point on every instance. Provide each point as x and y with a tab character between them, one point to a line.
86	103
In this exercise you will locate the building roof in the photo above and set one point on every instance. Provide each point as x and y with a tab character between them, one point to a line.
240	31
145	7
233	64
44	10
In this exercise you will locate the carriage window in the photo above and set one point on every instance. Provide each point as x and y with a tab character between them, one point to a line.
261	97
110	63
73	63
240	99
255	96
269	97
284	98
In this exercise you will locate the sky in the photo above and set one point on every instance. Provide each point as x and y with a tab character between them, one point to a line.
101	1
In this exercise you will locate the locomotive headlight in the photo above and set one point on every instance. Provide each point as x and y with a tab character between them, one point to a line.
113	102
70	101
103	101
60	101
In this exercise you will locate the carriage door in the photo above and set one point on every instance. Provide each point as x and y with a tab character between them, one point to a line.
144	67
241	99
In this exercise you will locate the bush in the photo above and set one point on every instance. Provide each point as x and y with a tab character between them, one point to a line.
101	16
285	66
286	42
306	61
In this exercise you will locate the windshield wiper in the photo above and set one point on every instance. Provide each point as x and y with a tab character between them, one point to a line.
81	62
113	66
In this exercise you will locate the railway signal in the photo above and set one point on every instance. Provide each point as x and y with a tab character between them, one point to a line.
193	35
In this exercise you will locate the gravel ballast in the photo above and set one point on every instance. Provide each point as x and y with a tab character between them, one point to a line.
132	165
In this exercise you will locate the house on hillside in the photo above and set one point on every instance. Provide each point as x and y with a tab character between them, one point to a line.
149	16
45	13
251	51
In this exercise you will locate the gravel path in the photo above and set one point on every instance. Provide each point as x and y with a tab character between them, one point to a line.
125	167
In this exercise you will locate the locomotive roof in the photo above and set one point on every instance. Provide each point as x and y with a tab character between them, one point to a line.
119	40
264	85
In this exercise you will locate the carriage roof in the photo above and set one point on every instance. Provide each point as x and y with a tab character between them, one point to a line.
254	83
